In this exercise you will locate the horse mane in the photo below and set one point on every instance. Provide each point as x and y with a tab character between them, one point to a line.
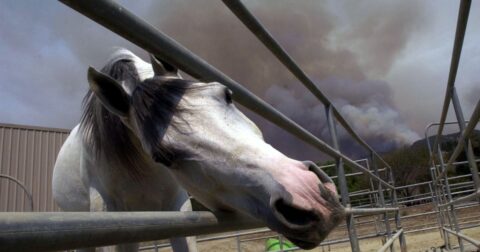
155	100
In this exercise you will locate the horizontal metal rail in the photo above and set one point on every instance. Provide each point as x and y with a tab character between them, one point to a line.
354	174
462	162
420	230
370	211
390	241
412	185
461	199
462	20
468	225
474	118
68	230
464	237
415	200
362	193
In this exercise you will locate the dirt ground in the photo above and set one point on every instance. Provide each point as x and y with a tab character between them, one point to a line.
418	241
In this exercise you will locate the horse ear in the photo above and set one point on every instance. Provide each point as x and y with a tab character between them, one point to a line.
161	67
110	92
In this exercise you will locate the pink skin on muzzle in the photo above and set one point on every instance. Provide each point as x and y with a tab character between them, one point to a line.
303	185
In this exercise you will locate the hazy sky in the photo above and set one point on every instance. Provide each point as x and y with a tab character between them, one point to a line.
383	63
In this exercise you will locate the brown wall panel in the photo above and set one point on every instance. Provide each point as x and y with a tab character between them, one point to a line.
28	154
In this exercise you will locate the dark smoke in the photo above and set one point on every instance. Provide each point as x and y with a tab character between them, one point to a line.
473	96
306	31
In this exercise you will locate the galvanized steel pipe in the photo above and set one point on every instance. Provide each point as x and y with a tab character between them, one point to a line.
68	230
369	211
462	21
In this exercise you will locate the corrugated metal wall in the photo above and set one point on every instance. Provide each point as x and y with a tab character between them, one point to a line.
28	154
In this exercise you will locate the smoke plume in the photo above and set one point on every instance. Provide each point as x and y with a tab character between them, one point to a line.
309	32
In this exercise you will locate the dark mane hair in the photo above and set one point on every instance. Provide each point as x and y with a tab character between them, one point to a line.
155	106
155	101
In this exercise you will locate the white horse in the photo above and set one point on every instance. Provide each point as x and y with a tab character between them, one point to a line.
147	136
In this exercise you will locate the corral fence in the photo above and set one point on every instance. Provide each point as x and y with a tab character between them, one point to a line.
447	204
54	231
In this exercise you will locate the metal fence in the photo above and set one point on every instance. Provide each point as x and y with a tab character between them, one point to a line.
108	228
447	204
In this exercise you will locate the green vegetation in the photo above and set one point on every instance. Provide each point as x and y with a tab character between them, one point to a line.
411	164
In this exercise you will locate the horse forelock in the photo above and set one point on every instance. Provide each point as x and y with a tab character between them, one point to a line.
154	100
157	107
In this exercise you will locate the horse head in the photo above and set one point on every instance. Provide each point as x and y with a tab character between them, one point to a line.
219	155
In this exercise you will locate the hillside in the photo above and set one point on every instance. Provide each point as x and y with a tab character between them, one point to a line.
411	164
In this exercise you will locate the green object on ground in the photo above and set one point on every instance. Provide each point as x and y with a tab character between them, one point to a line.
273	244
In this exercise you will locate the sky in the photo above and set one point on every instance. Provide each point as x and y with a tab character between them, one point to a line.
384	64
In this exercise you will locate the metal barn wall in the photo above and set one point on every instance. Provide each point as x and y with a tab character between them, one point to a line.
28	154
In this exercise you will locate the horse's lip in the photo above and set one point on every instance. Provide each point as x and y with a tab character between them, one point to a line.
303	244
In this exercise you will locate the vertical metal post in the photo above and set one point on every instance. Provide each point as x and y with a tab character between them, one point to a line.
447	213
374	202
381	198
441	189
435	203
441	213
342	181
449	195
280	239
239	244
398	223
468	145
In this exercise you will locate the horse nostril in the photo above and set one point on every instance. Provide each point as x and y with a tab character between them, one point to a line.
319	172
293	216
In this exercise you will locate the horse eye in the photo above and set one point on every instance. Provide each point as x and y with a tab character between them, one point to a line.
228	96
